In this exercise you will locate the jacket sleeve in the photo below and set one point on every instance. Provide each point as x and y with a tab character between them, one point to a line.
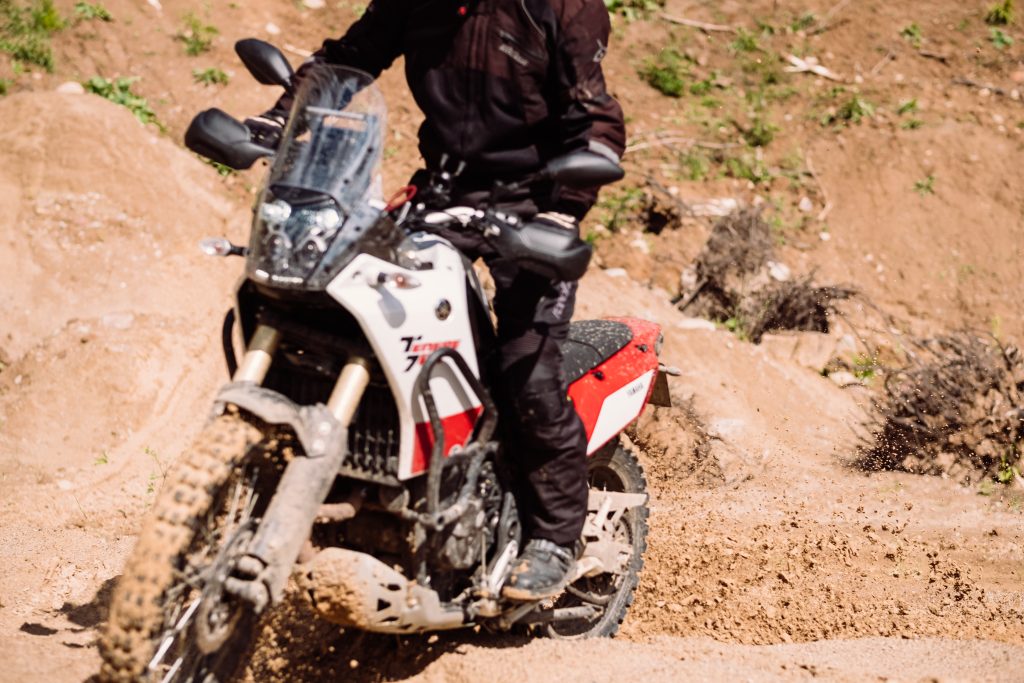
588	117
371	44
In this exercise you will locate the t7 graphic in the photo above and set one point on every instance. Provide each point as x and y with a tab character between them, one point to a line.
417	352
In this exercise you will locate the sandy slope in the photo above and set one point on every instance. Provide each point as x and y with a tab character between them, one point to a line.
769	560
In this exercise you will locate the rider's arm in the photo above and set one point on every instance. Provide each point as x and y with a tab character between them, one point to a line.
589	118
371	44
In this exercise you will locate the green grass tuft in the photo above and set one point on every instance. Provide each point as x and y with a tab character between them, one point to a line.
197	36
210	76
119	91
25	31
667	73
88	11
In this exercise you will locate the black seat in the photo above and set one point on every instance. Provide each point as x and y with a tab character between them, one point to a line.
590	343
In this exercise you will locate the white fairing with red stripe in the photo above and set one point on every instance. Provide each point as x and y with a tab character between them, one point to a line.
619	409
407	321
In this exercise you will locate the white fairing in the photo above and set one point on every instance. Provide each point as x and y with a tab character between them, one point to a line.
619	409
403	322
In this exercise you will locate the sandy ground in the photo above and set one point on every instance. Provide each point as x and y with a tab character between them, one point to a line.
771	557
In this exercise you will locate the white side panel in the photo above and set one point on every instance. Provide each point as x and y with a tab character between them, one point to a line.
404	329
619	409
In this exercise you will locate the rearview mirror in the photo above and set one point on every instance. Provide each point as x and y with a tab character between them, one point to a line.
265	62
217	136
583	169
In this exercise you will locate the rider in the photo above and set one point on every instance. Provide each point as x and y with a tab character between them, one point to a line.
506	85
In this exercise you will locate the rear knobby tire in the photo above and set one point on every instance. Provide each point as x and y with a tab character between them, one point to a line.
613	468
192	492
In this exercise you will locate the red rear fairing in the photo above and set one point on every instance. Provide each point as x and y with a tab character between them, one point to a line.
608	397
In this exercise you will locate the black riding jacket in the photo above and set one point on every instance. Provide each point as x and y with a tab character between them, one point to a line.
505	85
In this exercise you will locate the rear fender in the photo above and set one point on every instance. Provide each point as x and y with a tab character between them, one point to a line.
612	395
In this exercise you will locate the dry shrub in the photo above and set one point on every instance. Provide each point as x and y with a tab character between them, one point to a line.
734	283
956	410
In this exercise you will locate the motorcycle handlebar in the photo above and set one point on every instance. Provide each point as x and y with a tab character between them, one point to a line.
546	249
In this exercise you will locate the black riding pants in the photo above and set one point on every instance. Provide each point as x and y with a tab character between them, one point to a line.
547	440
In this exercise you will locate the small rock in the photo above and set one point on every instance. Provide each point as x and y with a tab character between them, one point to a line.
843	378
314	4
118	321
805	205
616	272
779	272
71	88
695	324
675	607
824	236
1018	76
64	485
156	4
272	28
715	207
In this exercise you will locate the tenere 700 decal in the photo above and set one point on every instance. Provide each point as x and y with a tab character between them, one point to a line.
417	352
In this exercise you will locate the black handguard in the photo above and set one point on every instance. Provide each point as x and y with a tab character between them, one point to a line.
548	244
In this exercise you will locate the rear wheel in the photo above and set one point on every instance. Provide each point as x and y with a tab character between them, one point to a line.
170	619
614	468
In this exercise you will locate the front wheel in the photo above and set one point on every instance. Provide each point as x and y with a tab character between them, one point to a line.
170	620
613	468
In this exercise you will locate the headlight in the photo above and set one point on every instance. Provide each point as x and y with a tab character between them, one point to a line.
275	212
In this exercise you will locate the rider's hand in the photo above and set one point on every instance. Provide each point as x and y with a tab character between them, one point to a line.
558	220
266	129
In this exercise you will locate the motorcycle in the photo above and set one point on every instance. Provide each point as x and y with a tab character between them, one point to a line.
356	449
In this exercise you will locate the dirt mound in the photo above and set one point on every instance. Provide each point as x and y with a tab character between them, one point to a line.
110	340
955	410
98	208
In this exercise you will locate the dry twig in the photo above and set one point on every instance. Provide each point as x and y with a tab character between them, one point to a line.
702	25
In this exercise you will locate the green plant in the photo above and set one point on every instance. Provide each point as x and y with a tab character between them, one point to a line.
695	165
102	459
4	87
703	87
1007	474
912	34
745	42
634	9
88	11
25	31
620	205
925	186
864	367
223	170
197	36
210	76
760	133
1000	40
911	124
854	110
1000	14
738	326
119	91
666	73
908	107
747	167
803	22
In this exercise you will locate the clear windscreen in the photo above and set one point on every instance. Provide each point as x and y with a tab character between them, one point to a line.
315	212
333	142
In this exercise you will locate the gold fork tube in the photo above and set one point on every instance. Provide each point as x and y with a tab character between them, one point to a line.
258	356
348	391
